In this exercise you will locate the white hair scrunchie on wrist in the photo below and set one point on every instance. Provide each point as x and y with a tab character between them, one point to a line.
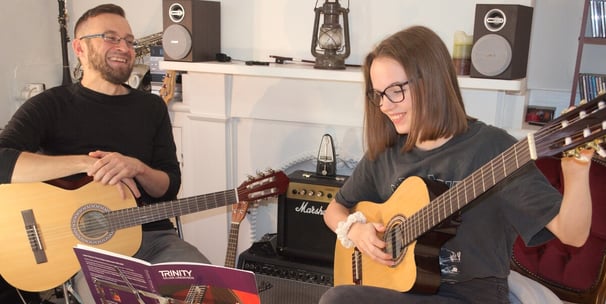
344	226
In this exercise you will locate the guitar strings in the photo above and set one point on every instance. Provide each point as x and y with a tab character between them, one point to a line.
429	216
98	223
459	195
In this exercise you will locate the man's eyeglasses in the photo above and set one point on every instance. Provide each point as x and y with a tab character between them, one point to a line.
394	92
112	38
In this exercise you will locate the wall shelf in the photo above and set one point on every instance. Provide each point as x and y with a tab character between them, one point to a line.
304	71
586	37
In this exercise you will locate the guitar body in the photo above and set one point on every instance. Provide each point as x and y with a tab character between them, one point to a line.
43	222
417	268
58	212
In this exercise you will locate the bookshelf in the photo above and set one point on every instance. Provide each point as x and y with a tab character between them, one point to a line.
593	32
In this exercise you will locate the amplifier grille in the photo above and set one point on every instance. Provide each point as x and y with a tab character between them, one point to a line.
283	280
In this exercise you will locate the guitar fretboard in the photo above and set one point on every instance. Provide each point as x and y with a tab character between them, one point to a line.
457	197
154	212
232	245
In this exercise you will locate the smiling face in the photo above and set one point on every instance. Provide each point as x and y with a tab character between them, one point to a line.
385	72
102	59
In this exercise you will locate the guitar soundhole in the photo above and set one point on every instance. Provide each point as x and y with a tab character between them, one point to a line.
90	224
394	237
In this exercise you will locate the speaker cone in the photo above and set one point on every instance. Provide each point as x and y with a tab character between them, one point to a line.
176	41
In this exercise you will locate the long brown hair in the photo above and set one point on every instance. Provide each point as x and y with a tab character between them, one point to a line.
438	106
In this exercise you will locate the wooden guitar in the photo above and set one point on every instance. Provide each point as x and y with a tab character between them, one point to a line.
198	294
167	90
238	213
418	228
44	221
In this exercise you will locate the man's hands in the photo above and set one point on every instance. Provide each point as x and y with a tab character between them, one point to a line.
113	168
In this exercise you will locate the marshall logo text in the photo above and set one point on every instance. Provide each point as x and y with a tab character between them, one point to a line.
305	209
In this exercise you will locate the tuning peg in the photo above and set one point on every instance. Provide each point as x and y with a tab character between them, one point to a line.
265	172
598	149
259	173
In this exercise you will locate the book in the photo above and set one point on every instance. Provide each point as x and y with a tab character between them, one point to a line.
118	279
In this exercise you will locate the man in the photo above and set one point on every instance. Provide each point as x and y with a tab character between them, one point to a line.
104	129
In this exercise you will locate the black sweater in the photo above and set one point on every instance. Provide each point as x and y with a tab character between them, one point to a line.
70	120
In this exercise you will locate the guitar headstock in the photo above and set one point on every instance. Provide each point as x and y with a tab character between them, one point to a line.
167	91
266	184
583	127
238	211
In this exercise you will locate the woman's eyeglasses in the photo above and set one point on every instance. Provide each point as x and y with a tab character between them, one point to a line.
394	92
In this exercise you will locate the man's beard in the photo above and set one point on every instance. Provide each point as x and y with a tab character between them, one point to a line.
113	75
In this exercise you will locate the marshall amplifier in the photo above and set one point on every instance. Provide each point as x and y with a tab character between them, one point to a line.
286	280
302	232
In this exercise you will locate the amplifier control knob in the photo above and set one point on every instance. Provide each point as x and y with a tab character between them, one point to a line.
319	194
302	192
310	193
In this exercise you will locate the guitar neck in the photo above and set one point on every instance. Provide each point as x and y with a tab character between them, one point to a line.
462	193
134	216
232	245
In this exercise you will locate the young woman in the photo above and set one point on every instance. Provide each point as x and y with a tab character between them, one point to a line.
416	125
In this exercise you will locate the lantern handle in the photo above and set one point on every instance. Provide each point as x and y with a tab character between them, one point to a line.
336	0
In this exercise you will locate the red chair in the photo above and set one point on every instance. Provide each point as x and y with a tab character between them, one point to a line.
574	274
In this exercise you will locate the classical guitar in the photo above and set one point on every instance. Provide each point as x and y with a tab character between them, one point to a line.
167	90
416	230
44	221
209	294
238	213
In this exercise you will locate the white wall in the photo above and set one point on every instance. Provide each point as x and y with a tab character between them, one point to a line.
254	29
31	51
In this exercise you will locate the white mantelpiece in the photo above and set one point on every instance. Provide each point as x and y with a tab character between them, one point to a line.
304	71
237	119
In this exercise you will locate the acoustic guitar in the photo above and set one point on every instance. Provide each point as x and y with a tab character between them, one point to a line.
416	229
203	294
238	213
44	221
167	90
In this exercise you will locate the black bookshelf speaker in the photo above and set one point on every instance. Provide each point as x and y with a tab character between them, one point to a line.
501	41
192	30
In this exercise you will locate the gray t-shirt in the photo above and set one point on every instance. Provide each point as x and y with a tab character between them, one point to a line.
521	204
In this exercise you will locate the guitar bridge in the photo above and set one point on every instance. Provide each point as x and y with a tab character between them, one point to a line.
356	266
33	236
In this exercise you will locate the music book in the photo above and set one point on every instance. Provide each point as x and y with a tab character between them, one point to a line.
116	279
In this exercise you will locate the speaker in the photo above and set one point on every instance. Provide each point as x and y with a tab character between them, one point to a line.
287	280
301	229
192	30
275	290
501	40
